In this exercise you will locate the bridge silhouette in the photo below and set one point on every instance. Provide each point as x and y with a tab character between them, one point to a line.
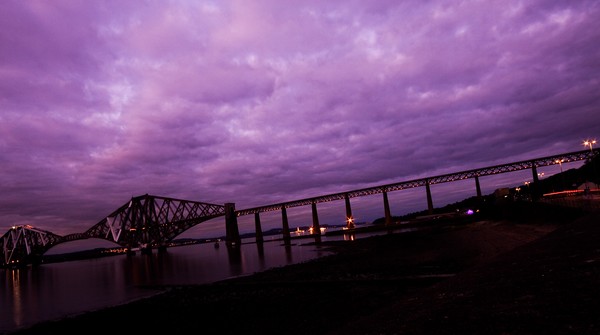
152	222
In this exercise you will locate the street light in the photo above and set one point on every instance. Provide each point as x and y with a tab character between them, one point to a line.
560	161
350	222
589	143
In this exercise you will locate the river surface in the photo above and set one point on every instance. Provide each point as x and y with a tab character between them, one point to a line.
56	290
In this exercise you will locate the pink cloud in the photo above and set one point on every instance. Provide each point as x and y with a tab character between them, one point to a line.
259	101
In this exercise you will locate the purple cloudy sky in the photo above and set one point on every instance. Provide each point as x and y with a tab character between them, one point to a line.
259	102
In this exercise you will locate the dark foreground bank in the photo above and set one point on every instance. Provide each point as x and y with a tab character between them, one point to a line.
532	272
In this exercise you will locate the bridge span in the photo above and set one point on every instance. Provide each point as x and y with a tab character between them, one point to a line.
150	221
145	221
475	174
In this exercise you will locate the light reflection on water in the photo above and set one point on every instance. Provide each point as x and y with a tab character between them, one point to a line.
55	290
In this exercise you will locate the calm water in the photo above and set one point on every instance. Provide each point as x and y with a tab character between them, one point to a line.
56	290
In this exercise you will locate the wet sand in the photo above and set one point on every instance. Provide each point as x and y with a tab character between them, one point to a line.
527	270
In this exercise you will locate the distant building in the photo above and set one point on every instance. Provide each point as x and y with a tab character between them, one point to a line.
501	193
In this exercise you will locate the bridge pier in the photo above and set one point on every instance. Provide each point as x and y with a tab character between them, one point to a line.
349	218
286	227
234	255
129	251
34	259
386	209
316	227
232	233
478	187
429	199
146	249
534	186
260	249
258	228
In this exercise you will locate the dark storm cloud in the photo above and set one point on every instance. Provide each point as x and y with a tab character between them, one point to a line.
257	102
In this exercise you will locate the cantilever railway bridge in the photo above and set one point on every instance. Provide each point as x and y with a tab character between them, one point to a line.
150	221
145	221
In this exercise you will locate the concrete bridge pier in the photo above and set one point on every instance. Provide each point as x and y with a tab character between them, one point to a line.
129	251
349	218
286	227
34	259
260	249
288	252
316	227
429	199
146	249
534	186
478	187
258	228
232	233
234	254
386	209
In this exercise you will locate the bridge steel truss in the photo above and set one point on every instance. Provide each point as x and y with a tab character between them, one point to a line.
145	221
25	244
532	164
151	221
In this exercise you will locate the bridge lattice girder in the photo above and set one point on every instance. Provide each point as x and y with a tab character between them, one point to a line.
22	243
485	171
146	219
155	221
152	220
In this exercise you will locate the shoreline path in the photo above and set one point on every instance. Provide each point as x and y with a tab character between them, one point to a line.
530	269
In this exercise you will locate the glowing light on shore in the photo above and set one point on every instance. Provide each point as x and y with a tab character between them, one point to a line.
589	143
